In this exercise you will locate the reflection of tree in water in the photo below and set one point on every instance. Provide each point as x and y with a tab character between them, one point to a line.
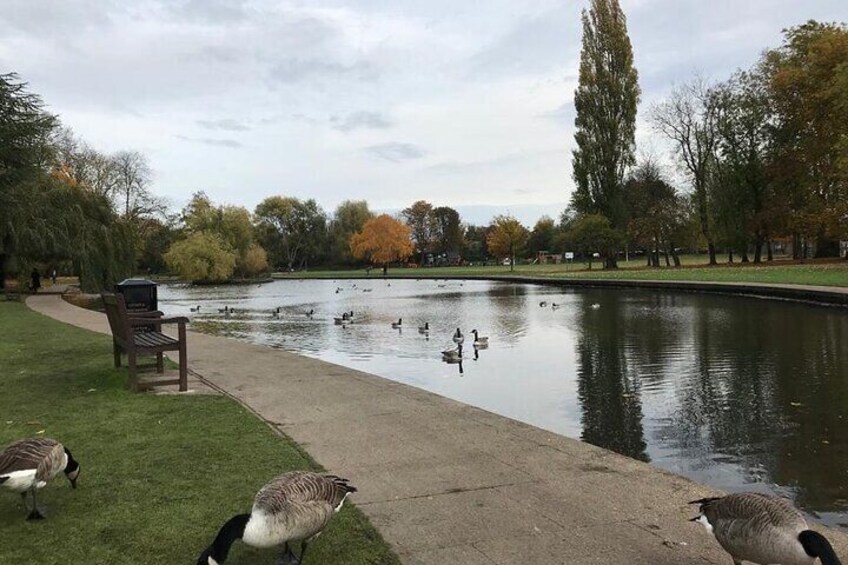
508	302
770	393
608	392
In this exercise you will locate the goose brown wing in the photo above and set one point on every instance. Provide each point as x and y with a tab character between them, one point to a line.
302	488
761	509
42	454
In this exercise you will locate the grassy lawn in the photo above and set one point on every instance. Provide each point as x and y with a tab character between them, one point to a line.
160	473
829	273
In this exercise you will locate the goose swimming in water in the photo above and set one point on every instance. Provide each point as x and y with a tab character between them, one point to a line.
310	313
543	303
458	338
763	529
27	465
479	340
425	328
595	306
195	309
398	324
293	507
452	355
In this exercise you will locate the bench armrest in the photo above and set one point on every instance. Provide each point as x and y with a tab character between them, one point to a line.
134	321
156	314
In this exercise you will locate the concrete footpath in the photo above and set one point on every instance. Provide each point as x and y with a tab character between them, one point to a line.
445	482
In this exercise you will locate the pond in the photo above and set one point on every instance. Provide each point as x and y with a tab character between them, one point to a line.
739	393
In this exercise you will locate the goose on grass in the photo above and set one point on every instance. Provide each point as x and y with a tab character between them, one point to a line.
763	529
293	507
27	465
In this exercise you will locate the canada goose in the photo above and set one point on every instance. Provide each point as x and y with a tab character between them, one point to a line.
452	355
763	529
27	465
310	313
195	309
543	303
595	306
295	506
397	324
425	328
342	321
458	338
480	341
554	305
224	310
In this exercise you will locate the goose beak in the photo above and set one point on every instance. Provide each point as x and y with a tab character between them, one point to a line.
73	483
695	519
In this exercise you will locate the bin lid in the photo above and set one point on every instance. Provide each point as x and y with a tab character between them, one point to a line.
135	282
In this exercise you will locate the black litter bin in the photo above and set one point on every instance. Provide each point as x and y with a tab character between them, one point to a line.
139	295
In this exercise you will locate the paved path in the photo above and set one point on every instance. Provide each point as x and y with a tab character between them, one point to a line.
448	483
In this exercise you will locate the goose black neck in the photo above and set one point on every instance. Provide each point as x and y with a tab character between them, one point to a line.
231	531
816	545
71	464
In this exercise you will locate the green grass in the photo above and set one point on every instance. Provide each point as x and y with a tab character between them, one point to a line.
160	473
830	273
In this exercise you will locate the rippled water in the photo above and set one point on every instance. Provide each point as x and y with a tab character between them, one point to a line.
739	393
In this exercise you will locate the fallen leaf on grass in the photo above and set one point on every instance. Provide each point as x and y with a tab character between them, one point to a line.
39	432
795	404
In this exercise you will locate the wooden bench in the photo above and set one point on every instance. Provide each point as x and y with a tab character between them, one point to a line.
140	333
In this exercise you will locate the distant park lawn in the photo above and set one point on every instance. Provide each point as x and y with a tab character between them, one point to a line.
695	268
160	473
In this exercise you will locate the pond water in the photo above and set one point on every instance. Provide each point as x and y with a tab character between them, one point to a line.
739	393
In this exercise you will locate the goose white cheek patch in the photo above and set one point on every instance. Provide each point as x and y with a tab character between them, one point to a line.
706	523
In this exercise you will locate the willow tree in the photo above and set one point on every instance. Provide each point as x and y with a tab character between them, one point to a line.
25	152
605	100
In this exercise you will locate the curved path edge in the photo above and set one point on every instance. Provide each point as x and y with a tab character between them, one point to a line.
447	482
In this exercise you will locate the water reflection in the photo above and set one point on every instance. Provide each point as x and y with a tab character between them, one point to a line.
607	387
742	394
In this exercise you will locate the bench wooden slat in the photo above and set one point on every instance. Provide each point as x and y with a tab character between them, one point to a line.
134	337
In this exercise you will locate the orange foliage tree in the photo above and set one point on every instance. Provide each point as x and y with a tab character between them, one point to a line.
382	240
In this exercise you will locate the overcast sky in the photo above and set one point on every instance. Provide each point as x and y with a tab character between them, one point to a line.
457	102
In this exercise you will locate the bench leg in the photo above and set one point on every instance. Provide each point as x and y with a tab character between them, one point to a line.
117	352
183	359
133	370
160	364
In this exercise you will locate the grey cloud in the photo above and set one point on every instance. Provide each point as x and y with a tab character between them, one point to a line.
564	114
535	45
214	11
396	152
226	124
295	70
231	143
360	120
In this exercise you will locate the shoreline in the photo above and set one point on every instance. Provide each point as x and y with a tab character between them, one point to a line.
821	295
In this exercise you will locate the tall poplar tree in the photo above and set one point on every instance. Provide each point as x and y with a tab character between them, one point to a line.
605	100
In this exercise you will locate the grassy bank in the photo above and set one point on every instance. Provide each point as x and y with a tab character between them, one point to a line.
160	473
828	273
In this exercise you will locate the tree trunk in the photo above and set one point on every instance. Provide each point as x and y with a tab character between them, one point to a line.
674	256
656	253
769	257
712	250
796	246
512	263
758	249
745	255
611	262
730	256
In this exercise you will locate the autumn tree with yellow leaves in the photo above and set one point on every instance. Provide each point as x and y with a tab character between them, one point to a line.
382	240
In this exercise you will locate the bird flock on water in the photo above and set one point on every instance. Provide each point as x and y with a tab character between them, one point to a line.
295	507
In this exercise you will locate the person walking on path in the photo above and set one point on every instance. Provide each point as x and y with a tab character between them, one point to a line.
36	280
